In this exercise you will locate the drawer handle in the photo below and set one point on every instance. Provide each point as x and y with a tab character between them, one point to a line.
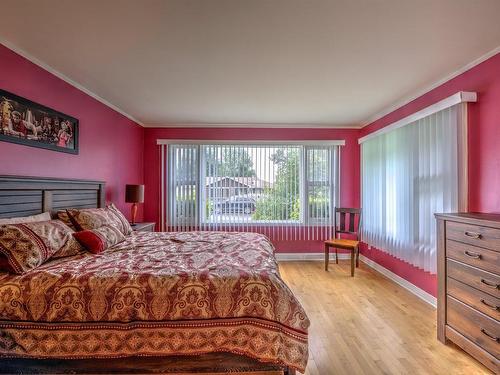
491	337
472	255
490	284
493	307
472	234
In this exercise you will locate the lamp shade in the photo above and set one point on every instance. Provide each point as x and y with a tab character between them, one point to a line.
134	193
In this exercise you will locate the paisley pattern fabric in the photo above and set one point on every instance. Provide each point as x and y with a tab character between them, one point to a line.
27	246
157	294
70	246
64	217
93	218
98	240
127	228
45	216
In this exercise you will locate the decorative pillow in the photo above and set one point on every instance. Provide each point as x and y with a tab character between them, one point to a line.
93	218
64	217
70	247
26	219
27	246
126	225
100	239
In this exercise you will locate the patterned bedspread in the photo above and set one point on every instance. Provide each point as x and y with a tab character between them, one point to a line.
157	294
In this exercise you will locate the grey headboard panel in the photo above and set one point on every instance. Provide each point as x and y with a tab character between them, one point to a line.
23	196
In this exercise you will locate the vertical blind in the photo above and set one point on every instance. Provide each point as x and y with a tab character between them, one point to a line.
285	191
409	174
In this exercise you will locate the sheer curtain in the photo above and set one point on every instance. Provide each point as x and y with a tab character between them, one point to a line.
408	174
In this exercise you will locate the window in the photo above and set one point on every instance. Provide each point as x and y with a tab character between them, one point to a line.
408	174
285	190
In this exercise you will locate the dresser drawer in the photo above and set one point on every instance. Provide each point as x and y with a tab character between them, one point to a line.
483	302
477	327
485	259
474	235
482	280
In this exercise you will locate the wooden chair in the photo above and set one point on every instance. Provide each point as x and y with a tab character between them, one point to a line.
350	227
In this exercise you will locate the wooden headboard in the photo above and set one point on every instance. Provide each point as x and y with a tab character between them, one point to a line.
24	196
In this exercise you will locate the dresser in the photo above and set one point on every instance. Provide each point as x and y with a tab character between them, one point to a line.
468	311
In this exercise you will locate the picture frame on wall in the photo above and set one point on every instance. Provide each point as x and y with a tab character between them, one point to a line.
31	124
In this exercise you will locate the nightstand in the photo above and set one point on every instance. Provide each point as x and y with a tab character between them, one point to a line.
143	227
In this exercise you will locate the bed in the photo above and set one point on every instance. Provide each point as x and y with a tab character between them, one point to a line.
188	302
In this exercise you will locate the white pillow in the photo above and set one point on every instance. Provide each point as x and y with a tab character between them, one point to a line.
26	219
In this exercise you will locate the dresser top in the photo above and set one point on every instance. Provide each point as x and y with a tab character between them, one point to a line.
491	220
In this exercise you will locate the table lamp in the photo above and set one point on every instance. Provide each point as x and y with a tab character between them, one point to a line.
134	194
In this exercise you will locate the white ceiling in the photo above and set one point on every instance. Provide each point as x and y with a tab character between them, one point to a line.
336	63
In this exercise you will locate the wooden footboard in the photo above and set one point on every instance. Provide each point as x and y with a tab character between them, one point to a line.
208	364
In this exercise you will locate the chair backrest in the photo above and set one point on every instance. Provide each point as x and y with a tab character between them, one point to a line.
348	222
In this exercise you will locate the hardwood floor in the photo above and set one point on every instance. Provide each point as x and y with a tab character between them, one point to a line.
359	325
369	325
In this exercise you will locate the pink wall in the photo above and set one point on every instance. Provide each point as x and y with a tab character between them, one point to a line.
111	145
118	151
484	129
484	151
484	156
349	159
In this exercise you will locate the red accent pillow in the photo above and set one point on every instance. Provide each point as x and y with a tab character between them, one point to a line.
100	239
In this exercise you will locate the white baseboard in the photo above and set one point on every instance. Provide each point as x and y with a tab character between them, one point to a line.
286	257
422	294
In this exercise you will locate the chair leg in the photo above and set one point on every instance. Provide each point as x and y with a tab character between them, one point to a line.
357	256
327	256
336	256
353	255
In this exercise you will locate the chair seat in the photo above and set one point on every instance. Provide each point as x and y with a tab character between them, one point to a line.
342	243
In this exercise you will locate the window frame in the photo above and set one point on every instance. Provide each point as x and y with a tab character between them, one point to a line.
200	219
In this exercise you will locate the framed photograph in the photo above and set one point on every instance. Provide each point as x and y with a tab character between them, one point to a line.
27	123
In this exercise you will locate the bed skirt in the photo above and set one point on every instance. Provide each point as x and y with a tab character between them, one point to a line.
262	340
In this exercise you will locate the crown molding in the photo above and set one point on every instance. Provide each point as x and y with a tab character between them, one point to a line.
405	101
373	118
251	125
66	79
80	87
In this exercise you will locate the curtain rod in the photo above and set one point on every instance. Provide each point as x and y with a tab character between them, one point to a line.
340	142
